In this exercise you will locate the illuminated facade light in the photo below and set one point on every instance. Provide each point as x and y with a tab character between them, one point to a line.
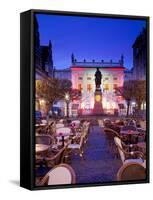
42	102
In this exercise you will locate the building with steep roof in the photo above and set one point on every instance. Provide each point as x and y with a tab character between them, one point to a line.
42	56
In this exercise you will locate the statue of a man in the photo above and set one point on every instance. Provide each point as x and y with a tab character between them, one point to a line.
98	77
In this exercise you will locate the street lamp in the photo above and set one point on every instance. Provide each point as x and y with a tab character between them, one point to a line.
133	103
67	99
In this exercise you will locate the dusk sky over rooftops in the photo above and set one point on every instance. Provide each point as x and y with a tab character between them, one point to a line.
89	38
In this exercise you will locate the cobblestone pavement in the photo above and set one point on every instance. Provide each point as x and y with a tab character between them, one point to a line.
99	164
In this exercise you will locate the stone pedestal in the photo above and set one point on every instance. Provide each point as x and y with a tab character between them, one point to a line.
98	107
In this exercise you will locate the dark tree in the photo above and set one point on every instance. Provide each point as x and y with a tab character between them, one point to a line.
52	90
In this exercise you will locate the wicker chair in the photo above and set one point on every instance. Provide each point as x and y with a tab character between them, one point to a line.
59	157
77	148
110	134
51	128
131	171
143	124
85	131
59	175
126	157
43	139
40	157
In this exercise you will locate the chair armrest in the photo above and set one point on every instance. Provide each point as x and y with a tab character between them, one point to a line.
137	154
111	130
128	145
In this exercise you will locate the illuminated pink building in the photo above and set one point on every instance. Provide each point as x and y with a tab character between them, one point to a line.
83	78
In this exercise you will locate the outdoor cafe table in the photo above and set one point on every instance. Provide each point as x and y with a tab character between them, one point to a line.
41	148
129	133
63	133
40	125
75	123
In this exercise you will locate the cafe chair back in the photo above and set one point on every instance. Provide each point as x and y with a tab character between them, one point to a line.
126	156
43	139
110	134
131	171
143	124
77	148
118	143
60	175
58	158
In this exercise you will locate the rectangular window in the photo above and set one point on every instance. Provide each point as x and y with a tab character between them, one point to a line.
80	78
88	78
106	87
89	87
115	78
106	78
80	87
115	86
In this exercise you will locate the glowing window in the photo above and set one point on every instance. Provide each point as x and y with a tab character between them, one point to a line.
89	87
115	86
106	87
80	87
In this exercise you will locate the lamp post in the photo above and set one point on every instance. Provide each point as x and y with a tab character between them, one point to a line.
133	107
67	99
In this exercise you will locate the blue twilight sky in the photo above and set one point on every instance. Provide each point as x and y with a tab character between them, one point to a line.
89	38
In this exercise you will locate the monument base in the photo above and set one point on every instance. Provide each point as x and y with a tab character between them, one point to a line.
98	108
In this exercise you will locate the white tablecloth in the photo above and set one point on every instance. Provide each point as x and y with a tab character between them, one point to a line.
65	131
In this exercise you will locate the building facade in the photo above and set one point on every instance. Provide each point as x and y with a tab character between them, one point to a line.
42	56
140	56
128	74
83	79
43	64
62	73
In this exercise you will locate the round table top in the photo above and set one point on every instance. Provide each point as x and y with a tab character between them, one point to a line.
38	125
141	130
60	125
41	148
129	132
65	131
